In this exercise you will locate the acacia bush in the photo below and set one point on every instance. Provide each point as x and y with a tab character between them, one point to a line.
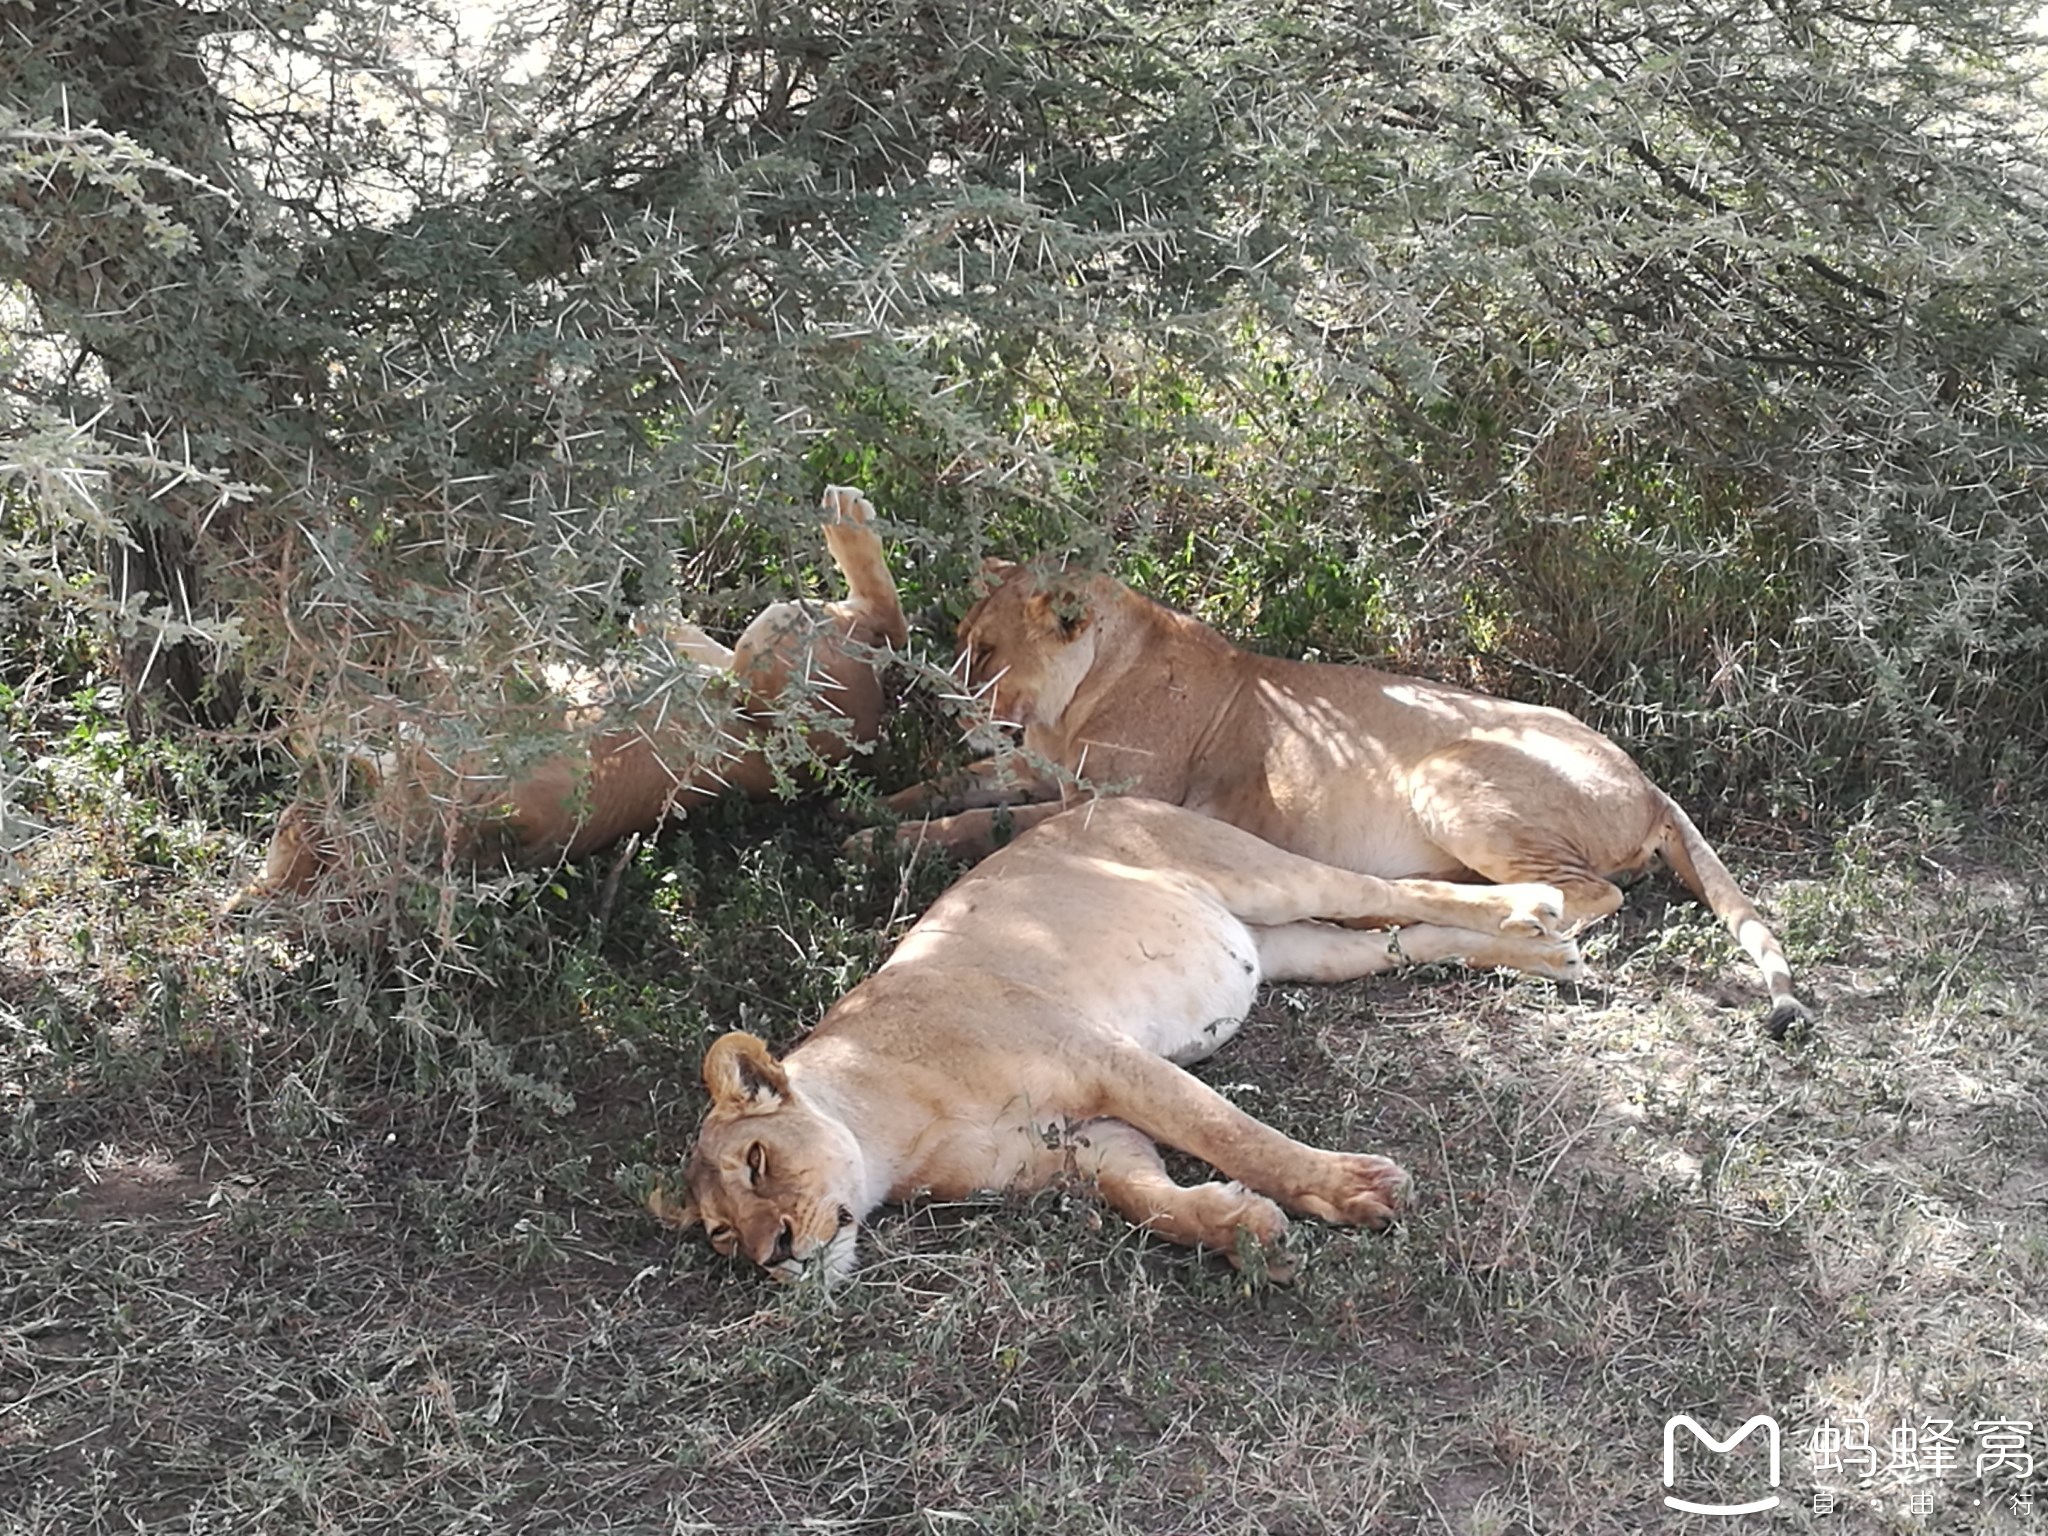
1680	364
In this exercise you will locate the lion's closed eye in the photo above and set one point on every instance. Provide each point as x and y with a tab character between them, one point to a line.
757	1163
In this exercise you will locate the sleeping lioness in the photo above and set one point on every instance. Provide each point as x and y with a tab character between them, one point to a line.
1388	775
612	779
1028	1029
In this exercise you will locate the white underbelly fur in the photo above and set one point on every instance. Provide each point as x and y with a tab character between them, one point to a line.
1144	954
1183	992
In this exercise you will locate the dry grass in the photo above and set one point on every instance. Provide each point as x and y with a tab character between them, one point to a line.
277	1260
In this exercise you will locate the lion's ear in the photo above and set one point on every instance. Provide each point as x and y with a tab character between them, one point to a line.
993	573
741	1074
1061	610
670	1212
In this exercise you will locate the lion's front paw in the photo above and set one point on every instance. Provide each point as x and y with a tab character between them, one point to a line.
1254	1215
1534	910
845	504
1239	1224
1365	1191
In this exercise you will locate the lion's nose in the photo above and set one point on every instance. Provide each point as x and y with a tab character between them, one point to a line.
784	1248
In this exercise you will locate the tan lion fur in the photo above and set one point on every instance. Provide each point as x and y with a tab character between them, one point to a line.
1027	1030
1388	775
615	780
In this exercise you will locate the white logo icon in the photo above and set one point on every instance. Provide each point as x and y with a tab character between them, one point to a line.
1762	1421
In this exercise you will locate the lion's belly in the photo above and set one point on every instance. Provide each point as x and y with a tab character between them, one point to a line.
1138	953
1179	989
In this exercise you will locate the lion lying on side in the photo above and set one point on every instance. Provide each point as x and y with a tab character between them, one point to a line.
1388	775
1028	1028
615	781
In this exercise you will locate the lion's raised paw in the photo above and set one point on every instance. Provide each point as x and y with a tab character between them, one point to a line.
846	504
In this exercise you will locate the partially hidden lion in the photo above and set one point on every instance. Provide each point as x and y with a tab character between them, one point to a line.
1388	775
1030	1029
613	779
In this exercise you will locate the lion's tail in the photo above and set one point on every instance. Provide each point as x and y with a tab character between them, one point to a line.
1693	860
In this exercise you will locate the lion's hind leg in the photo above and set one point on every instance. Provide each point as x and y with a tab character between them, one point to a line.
1322	953
1569	817
1263	884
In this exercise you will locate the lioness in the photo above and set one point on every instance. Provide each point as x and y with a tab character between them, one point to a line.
616	781
1028	1029
1388	775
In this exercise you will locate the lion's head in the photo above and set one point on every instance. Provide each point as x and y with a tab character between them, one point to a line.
1029	640
771	1177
